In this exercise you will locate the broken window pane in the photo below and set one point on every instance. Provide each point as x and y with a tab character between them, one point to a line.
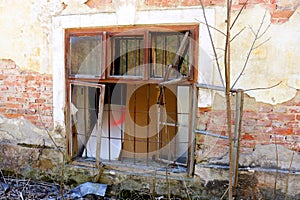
85	105
85	55
164	47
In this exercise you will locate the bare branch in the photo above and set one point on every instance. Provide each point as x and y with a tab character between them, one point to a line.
212	43
240	11
277	166
250	27
262	43
257	36
218	30
237	34
264	88
267	28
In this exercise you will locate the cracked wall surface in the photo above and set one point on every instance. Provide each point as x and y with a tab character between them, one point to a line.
28	49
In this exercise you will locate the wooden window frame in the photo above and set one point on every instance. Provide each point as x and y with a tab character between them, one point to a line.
107	32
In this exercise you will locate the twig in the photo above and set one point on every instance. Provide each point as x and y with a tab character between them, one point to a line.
186	190
63	156
240	11
154	184
265	29
25	186
205	23
262	43
222	197
21	196
3	176
169	187
263	88
256	37
276	175
212	43
289	172
237	34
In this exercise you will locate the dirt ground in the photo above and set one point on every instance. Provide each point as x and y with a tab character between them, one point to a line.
25	189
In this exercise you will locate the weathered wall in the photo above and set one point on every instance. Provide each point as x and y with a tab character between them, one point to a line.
25	94
263	124
29	38
26	73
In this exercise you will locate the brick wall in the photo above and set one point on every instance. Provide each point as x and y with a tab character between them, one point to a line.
262	124
25	94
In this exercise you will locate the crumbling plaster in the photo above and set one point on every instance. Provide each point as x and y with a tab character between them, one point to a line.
25	32
275	61
30	27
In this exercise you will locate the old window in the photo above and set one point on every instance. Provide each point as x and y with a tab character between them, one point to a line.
118	110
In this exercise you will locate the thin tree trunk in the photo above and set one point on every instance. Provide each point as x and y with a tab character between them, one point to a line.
227	94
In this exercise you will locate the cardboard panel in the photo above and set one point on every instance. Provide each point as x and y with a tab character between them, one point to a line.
141	128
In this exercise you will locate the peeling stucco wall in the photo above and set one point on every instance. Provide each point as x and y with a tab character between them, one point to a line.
26	32
28	37
275	61
30	30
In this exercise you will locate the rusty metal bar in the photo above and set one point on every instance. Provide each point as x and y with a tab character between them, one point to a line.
214	87
174	81
148	120
197	131
134	127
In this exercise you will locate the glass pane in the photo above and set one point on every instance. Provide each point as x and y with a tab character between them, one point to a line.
163	52
128	56
84	108
85	55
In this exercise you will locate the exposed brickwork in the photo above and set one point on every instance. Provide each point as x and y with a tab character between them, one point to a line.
263	124
280	10
25	94
97	3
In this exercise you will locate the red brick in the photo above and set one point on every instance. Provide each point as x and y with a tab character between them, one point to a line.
40	100
279	21
293	124
192	2
298	117
265	109
281	131
281	117
282	14
30	89
247	136
263	137
280	109
13	105
97	3
9	83
265	123
32	118
248	143
294	109
250	115
297	131
7	64
3	76
30	111
29	78
13	115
